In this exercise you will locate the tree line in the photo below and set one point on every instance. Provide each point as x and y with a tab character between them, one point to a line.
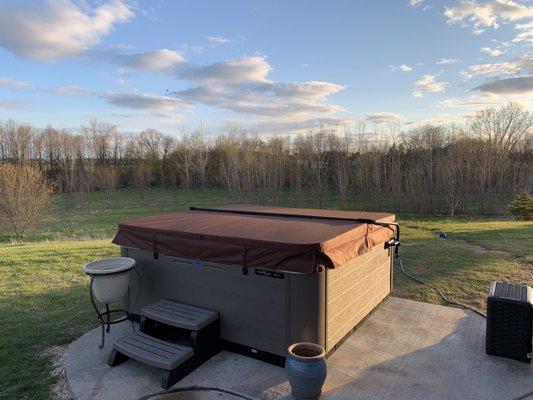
473	168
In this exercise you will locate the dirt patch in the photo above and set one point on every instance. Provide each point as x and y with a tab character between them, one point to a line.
58	354
526	273
476	248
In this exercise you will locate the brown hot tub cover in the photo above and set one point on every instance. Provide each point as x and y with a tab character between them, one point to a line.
286	239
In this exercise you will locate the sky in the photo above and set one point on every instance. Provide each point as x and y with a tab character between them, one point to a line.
271	67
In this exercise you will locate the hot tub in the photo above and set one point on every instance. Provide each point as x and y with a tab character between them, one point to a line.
275	275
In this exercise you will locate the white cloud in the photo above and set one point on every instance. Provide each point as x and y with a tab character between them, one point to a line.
495	68
163	60
146	101
286	101
238	70
465	74
516	85
402	67
381	117
10	104
447	61
439	119
492	52
525	33
73	90
242	85
15	84
485	14
514	66
217	40
475	101
427	84
57	29
276	128
415	3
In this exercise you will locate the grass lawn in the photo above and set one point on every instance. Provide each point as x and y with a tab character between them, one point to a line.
44	295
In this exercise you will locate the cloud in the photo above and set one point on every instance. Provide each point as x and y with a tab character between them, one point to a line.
516	85
163	60
514	66
475	101
415	3
237	70
242	85
525	33
72	90
287	101
276	128
217	40
145	101
381	117
492	52
427	84
491	13
402	67
57	29
447	61
439	119
14	84
4	104
495	68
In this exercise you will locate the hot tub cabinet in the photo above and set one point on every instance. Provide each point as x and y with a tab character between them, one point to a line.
269	291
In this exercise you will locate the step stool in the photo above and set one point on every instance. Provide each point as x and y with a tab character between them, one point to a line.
175	337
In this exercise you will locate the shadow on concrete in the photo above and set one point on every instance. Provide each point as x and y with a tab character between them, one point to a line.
403	363
405	350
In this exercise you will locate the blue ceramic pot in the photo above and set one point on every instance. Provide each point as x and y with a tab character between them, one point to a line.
306	369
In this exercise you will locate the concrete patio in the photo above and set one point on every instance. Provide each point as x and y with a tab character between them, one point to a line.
406	350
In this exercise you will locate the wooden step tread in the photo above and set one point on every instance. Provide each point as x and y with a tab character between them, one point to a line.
179	315
155	352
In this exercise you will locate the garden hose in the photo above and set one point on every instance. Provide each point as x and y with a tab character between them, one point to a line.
448	301
132	307
244	397
436	289
196	388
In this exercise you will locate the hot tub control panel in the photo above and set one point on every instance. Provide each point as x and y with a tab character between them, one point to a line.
270	274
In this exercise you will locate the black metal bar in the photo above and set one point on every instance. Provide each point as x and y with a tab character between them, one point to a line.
108	317
105	316
288	215
98	314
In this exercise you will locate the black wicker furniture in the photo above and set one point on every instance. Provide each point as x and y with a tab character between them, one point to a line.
509	321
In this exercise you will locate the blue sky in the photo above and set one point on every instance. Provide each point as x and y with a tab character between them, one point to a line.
269	66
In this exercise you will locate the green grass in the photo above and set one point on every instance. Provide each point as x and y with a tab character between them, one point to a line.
44	295
43	303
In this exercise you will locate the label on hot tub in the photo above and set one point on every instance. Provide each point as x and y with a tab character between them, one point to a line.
270	274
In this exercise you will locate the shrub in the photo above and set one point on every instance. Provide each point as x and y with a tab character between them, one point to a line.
25	195
522	205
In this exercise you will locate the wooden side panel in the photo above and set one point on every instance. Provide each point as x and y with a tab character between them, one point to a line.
353	290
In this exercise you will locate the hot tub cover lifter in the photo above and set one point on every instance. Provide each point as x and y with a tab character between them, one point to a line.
285	239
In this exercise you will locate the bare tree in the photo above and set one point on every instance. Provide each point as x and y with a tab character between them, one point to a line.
100	134
199	151
16	141
25	195
502	128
